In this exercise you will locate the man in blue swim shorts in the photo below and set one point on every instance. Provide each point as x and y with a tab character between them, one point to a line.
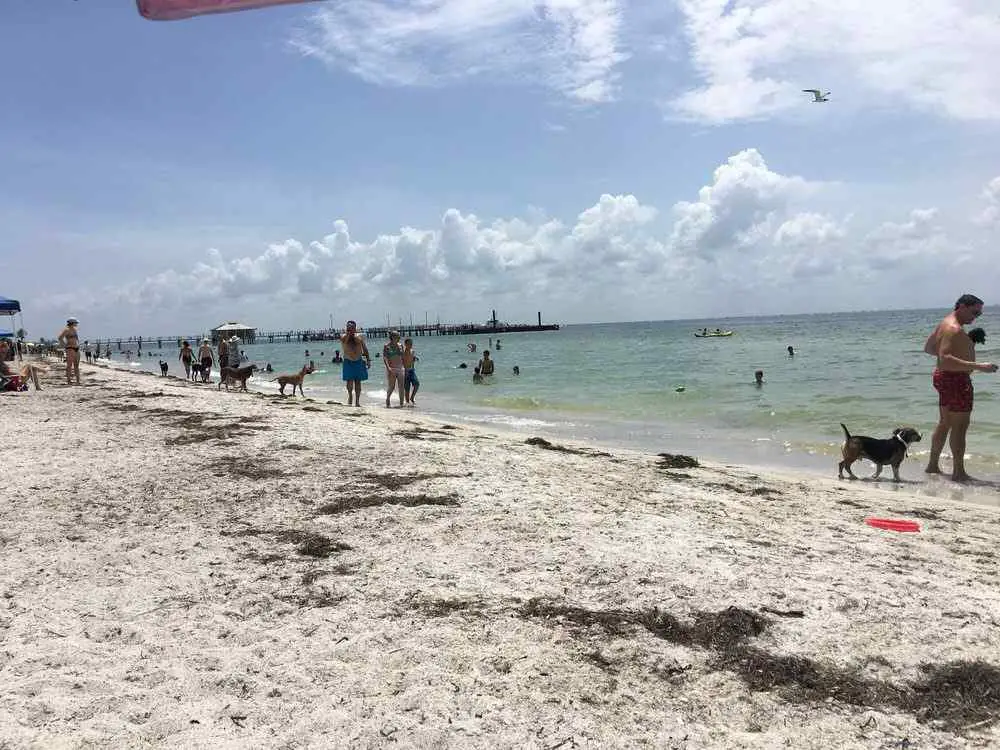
411	383
356	362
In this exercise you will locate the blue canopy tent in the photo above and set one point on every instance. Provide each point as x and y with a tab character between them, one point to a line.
9	306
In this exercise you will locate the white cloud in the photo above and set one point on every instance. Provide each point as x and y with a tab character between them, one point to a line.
754	56
738	208
808	230
989	216
919	239
749	236
571	46
462	256
751	58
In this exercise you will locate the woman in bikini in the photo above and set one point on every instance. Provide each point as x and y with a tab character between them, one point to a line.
395	373
70	341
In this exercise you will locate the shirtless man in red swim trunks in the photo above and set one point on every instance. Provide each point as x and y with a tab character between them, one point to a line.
956	359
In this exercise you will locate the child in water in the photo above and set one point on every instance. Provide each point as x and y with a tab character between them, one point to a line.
411	383
476	377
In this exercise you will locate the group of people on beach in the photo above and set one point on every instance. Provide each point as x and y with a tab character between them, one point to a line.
399	362
198	364
951	345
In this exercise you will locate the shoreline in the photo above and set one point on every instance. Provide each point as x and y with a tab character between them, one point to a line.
762	455
191	568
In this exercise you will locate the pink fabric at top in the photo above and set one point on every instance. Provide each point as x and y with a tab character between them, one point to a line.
169	10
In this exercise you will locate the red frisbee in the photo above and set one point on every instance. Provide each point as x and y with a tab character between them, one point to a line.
893	524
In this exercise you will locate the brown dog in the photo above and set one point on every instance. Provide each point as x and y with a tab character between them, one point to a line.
236	373
879	452
294	380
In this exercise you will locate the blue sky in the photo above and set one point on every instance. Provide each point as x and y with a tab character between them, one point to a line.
165	176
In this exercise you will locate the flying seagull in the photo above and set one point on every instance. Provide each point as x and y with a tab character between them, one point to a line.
818	96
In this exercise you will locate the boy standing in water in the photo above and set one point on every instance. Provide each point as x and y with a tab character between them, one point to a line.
411	383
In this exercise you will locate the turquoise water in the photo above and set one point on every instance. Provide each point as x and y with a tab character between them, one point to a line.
617	384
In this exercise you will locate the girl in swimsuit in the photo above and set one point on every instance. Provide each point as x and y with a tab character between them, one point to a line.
392	355
70	340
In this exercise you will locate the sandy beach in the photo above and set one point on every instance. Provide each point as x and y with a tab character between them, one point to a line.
184	567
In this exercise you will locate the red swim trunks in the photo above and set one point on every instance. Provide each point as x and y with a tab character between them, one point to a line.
954	390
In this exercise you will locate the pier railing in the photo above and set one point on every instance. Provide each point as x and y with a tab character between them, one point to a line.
493	328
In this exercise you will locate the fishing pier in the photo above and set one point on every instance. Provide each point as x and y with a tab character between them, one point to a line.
248	335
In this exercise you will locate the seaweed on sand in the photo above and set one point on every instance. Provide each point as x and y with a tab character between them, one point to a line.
958	694
242	467
396	481
347	504
677	461
417	433
546	445
310	543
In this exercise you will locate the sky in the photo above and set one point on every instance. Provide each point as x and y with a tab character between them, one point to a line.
592	160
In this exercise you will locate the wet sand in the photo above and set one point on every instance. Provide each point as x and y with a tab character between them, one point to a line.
184	567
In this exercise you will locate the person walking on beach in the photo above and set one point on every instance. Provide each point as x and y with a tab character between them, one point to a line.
186	356
206	358
235	355
354	370
411	384
223	358
69	339
395	373
956	360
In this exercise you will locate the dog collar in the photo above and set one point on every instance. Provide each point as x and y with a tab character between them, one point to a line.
906	447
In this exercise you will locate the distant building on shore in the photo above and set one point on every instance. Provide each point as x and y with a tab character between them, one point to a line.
246	334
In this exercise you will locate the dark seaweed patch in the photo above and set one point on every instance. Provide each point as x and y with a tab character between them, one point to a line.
397	481
347	504
239	466
539	442
677	461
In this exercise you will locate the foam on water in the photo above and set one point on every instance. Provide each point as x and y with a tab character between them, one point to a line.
507	420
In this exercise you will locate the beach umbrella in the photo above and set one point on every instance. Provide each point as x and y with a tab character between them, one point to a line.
171	10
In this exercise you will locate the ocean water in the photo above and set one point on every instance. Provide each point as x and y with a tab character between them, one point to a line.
655	386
